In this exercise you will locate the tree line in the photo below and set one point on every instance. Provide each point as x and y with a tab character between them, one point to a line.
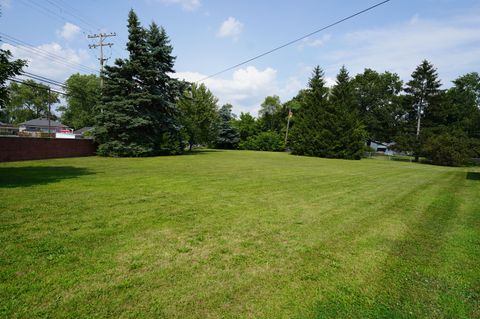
143	110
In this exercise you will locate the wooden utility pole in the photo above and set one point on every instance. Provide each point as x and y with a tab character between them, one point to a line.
101	44
49	112
290	114
419	119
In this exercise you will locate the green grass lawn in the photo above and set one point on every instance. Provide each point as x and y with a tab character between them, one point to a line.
238	234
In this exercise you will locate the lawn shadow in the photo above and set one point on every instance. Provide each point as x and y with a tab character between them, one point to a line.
473	176
38	175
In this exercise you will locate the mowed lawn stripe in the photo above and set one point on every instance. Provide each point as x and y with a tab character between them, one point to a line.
233	234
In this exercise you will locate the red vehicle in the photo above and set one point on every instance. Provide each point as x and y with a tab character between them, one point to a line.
65	131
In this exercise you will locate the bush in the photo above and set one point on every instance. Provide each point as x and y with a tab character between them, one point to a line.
265	141
449	149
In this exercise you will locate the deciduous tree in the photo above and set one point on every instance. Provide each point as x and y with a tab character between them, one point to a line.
29	100
199	113
83	95
8	68
379	104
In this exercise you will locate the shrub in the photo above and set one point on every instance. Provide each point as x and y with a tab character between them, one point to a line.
265	141
449	149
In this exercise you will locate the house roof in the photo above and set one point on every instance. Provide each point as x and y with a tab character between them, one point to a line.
7	125
42	122
83	130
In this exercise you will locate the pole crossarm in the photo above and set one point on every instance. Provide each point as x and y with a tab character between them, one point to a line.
101	44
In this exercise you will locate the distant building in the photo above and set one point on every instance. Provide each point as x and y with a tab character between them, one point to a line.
8	129
84	132
382	148
42	125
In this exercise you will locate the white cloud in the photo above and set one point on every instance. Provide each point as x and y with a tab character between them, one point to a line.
69	31
189	5
40	63
247	87
450	44
230	28
315	42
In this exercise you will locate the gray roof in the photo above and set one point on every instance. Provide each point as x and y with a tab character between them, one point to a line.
83	130
42	122
7	125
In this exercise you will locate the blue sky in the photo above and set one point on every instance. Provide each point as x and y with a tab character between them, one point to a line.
209	35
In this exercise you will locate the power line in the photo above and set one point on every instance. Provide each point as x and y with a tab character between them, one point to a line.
296	40
48	10
26	46
80	18
44	79
59	16
36	85
52	58
22	44
41	76
38	7
85	22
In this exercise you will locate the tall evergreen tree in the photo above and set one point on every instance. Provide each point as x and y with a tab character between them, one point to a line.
310	136
328	127
138	116
164	91
228	136
424	95
345	124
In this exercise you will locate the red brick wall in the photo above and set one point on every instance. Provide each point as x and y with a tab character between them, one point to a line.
25	148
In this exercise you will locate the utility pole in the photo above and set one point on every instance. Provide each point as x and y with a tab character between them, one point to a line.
290	114
49	112
419	117
101	44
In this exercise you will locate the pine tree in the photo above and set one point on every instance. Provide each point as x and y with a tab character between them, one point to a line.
164	90
310	136
424	94
344	121
228	136
138	116
328	127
